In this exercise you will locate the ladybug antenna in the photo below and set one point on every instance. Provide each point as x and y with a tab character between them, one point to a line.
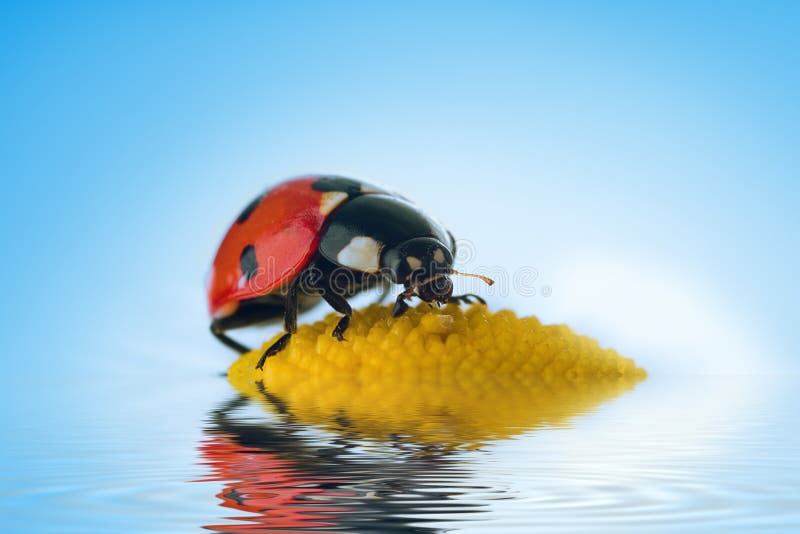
486	279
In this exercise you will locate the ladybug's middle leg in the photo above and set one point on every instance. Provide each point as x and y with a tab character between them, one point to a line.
340	304
289	323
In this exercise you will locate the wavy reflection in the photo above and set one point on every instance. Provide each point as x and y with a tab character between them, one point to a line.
282	478
375	459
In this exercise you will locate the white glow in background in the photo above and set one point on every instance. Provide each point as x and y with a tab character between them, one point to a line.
665	322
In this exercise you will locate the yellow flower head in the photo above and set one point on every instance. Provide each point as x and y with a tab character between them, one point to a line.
451	376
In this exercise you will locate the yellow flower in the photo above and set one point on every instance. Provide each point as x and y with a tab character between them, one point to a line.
451	376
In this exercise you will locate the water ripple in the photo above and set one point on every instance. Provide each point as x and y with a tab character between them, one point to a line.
639	468
673	455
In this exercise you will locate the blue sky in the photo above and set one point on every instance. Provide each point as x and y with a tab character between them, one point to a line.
643	159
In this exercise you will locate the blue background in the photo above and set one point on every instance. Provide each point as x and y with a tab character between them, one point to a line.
642	158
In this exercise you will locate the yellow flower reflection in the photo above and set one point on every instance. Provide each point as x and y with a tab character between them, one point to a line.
449	377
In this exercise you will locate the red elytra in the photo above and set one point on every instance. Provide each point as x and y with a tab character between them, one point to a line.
284	229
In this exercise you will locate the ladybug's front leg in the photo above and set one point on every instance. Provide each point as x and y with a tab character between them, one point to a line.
289	324
400	305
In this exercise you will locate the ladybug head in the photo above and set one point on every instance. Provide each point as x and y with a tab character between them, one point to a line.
422	263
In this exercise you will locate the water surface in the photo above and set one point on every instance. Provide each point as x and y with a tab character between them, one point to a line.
703	453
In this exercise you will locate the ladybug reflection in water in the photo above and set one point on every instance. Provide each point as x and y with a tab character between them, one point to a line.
325	237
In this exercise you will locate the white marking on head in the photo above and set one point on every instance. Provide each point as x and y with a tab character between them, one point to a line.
414	262
362	253
330	201
438	255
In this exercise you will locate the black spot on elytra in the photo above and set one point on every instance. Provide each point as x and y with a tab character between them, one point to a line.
339	184
248	262
249	209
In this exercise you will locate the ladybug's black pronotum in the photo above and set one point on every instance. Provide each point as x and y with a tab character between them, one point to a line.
325	237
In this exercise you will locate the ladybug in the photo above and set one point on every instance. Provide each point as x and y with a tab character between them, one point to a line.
325	237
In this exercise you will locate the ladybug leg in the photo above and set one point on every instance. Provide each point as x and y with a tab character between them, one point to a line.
248	312
466	298
219	333
340	304
289	324
400	305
